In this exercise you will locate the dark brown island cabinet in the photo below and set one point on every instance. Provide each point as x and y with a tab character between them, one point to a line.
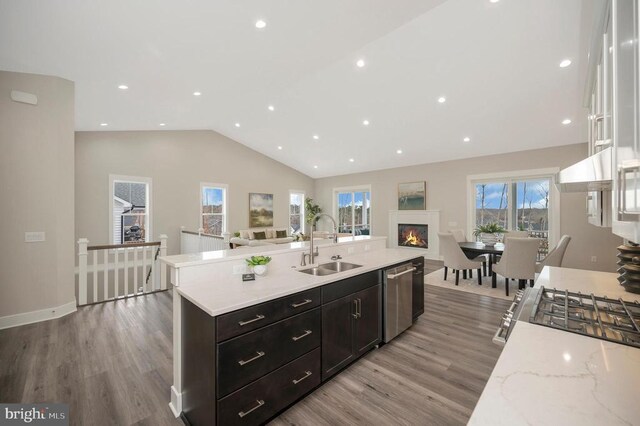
246	366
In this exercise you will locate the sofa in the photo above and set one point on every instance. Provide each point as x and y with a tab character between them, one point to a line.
248	237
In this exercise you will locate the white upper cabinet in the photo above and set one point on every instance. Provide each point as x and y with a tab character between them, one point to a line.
626	121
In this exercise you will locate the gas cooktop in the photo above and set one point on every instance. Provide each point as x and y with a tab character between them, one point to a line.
609	319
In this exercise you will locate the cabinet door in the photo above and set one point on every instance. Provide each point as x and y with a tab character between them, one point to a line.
625	119
418	293
337	335
368	320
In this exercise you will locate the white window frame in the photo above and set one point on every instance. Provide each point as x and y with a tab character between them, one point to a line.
225	203
352	189
132	179
554	197
302	210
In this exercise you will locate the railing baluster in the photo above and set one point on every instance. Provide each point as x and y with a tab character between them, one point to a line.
135	270
144	269
116	273
95	276
82	271
126	271
105	275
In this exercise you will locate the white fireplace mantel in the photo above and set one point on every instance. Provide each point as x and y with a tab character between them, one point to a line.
421	217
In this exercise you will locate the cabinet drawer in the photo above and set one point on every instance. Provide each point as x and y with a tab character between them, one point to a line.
350	285
248	319
257	402
245	358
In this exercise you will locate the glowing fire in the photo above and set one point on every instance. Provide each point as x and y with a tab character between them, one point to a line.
412	240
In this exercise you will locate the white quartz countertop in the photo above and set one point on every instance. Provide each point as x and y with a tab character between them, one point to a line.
546	376
553	377
217	298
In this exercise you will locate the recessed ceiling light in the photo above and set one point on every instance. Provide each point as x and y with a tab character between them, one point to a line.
398	151
315	167
123	87
565	63
351	160
260	24
316	137
365	122
566	121
104	124
197	93
360	63
271	108
467	139
494	1
442	99
237	124
162	124
279	147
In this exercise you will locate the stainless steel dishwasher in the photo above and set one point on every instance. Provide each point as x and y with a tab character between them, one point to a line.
398	284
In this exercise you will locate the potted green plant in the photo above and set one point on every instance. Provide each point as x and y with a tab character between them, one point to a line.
489	233
310	210
258	264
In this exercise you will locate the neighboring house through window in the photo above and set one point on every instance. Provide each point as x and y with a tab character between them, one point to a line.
213	208
296	212
130	207
353	210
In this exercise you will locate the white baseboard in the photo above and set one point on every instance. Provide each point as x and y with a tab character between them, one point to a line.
37	316
176	402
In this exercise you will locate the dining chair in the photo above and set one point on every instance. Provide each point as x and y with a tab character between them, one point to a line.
461	237
455	258
518	262
555	256
515	234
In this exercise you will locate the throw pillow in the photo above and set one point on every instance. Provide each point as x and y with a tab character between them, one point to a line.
244	234
281	234
259	235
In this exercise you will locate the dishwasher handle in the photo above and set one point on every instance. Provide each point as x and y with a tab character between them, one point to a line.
394	276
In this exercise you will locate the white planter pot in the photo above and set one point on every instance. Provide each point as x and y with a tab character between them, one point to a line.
260	270
490	239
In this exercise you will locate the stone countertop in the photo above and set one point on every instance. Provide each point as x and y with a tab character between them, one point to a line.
184	260
549	376
220	298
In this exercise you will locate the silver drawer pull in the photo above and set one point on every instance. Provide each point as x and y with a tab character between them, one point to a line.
297	305
244	413
305	334
306	374
259	355
257	318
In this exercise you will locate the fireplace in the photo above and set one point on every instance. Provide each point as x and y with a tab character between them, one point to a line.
413	235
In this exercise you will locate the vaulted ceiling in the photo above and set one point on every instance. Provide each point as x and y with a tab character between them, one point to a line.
496	64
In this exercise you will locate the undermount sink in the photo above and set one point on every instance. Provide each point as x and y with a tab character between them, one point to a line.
329	268
339	266
317	271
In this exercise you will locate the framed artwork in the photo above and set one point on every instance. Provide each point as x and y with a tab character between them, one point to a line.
412	196
260	210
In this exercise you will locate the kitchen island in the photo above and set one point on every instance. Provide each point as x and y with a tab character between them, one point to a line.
550	376
244	351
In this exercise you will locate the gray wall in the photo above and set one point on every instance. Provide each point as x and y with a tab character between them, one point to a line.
37	172
176	161
447	192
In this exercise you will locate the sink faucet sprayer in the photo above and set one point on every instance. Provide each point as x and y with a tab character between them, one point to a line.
312	255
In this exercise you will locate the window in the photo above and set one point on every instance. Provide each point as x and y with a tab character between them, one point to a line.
296	212
518	201
213	208
130	207
353	210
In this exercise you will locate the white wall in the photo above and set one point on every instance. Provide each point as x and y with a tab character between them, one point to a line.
447	191
37	172
176	161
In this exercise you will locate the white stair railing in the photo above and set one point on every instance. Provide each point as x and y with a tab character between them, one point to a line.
110	272
197	242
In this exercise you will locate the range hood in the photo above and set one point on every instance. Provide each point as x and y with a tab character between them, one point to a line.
590	174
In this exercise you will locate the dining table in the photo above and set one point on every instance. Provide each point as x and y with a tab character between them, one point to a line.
474	249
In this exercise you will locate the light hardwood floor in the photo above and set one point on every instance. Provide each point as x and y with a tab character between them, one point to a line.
112	363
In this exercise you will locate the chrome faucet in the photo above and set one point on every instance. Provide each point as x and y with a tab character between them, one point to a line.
312	255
